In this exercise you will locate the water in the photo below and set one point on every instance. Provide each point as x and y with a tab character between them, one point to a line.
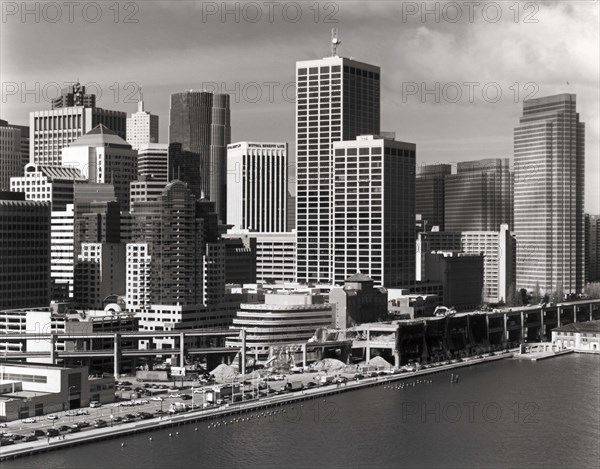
509	414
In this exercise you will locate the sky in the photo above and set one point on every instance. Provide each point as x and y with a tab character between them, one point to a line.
454	74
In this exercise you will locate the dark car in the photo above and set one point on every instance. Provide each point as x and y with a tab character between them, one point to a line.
16	436
74	429
52	432
83	424
6	442
117	419
101	424
146	415
37	432
64	428
30	438
185	397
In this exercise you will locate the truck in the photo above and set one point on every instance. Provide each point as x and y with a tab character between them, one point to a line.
294	386
326	380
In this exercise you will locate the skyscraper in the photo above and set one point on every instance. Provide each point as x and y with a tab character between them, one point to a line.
549	147
257	186
337	99
478	197
142	127
10	154
153	162
24	252
374	203
104	157
594	249
200	124
429	194
51	130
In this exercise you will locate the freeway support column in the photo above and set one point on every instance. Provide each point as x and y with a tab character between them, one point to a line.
368	348
591	314
558	315
53	349
117	352
181	349
506	335
304	355
243	333
522	327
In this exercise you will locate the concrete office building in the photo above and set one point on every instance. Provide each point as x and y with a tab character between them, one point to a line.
337	99
499	259
74	95
24	252
145	191
434	240
275	255
142	127
358	301
62	253
153	162
34	389
23	143
200	130
461	276
429	194
479	196
283	318
257	186
52	130
549	146
10	154
54	184
374	210
99	273
104	157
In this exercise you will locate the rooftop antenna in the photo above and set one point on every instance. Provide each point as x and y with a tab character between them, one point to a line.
335	42
141	101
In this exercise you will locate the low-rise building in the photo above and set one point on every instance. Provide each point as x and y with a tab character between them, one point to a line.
34	389
579	336
358	301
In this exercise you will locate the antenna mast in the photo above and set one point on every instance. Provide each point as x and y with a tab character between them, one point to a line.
335	42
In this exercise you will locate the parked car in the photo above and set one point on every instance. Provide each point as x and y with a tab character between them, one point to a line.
101	424
94	404
83	424
186	397
82	412
29	420
71	413
156	398
117	419
30	438
64	428
37	432
52	417
74	429
52	432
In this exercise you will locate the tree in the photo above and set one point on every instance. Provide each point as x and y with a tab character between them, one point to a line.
558	294
513	297
524	296
536	295
592	290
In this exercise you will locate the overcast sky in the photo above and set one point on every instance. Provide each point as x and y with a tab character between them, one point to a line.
534	49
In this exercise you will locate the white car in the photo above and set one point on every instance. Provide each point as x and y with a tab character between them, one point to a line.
3	425
71	413
29	420
156	398
52	417
176	396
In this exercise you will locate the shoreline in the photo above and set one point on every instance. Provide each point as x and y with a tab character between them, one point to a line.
99	434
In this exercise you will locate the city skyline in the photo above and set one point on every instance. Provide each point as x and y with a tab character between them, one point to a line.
409	51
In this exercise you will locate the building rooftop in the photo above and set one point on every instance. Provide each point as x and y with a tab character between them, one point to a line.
358	277
100	136
587	326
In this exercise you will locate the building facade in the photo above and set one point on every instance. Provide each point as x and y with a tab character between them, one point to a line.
499	256
337	99
429	194
62	253
594	249
549	149
374	210
153	161
257	186
24	252
200	125
11	163
103	157
142	127
52	130
479	196
54	184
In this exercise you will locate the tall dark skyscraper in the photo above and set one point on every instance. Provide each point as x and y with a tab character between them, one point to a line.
429	194
549	146
199	132
338	99
478	197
